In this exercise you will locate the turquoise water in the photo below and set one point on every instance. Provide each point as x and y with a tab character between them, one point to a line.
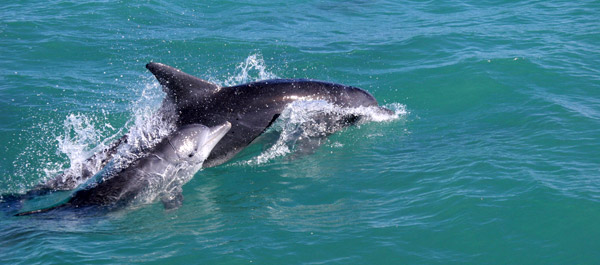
493	156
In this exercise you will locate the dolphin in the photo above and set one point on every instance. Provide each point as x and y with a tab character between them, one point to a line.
159	173
251	108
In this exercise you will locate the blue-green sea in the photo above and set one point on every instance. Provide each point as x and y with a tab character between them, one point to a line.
492	156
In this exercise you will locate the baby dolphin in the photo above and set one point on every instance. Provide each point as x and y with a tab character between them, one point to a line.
160	173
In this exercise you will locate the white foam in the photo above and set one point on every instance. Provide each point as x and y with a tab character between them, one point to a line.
80	133
304	121
84	135
252	69
151	121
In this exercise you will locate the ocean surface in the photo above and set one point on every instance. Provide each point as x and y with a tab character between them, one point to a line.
492	155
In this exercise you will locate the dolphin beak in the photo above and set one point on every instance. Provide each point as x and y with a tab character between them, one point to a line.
216	133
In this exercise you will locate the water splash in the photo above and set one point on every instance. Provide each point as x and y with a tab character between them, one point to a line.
252	69
152	119
304	124
84	136
80	134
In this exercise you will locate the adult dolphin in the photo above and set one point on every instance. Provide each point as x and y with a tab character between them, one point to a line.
251	108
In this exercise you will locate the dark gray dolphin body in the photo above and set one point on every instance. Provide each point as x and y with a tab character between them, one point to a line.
251	108
160	173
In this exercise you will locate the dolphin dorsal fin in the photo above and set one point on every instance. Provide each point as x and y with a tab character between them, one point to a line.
179	85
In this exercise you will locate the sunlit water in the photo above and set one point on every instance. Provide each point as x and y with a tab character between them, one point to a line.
491	156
